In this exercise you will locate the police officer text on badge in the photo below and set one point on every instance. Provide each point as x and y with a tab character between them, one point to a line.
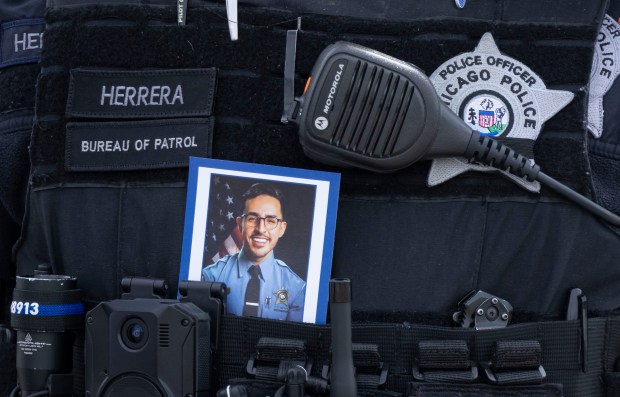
482	75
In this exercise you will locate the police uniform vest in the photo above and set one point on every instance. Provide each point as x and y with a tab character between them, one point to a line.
118	208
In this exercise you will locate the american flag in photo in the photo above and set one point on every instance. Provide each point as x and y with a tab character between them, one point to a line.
223	237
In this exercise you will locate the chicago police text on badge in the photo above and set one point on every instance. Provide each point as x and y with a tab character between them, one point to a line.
497	96
605	69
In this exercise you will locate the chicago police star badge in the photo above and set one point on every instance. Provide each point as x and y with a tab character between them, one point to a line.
498	96
281	296
605	69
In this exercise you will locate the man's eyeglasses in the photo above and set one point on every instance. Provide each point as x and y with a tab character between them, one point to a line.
271	221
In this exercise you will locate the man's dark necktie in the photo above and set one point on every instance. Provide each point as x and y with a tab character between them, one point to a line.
252	293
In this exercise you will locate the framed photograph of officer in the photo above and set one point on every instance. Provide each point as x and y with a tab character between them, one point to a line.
266	232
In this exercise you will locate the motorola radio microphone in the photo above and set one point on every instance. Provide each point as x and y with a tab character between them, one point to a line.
364	109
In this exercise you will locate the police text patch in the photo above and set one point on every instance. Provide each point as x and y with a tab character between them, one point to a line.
136	145
141	94
605	69
21	41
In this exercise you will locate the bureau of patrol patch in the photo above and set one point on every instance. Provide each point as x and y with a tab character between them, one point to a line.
605	69
497	96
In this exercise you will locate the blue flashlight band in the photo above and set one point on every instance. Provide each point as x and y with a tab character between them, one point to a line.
47	311
61	310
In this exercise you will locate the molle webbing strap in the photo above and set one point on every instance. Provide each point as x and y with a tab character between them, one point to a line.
516	355
248	103
559	348
370	372
447	390
516	363
276	349
274	357
366	355
444	361
450	354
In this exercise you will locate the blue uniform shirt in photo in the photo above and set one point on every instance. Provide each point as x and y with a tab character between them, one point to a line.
282	292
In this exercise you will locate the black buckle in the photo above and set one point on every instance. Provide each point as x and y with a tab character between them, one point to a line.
251	368
291	104
528	377
382	372
209	297
467	376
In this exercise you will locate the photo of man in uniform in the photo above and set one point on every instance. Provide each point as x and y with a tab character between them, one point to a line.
260	285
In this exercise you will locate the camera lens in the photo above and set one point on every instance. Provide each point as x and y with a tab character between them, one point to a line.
134	333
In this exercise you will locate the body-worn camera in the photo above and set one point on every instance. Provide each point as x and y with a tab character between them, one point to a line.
146	345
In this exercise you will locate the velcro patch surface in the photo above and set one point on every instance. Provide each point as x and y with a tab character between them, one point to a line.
136	145
141	94
21	41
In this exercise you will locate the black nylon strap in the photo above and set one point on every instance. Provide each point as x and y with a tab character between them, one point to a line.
266	373
516	363
370	372
516	354
272	372
442	390
559	341
277	349
48	324
443	354
378	393
367	381
449	376
274	357
366	355
444	361
519	377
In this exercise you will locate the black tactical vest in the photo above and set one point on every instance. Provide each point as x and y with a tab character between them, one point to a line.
412	251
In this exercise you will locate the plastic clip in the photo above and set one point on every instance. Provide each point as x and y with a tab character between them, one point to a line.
290	103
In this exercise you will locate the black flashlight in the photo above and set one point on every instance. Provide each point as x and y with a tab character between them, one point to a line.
45	311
